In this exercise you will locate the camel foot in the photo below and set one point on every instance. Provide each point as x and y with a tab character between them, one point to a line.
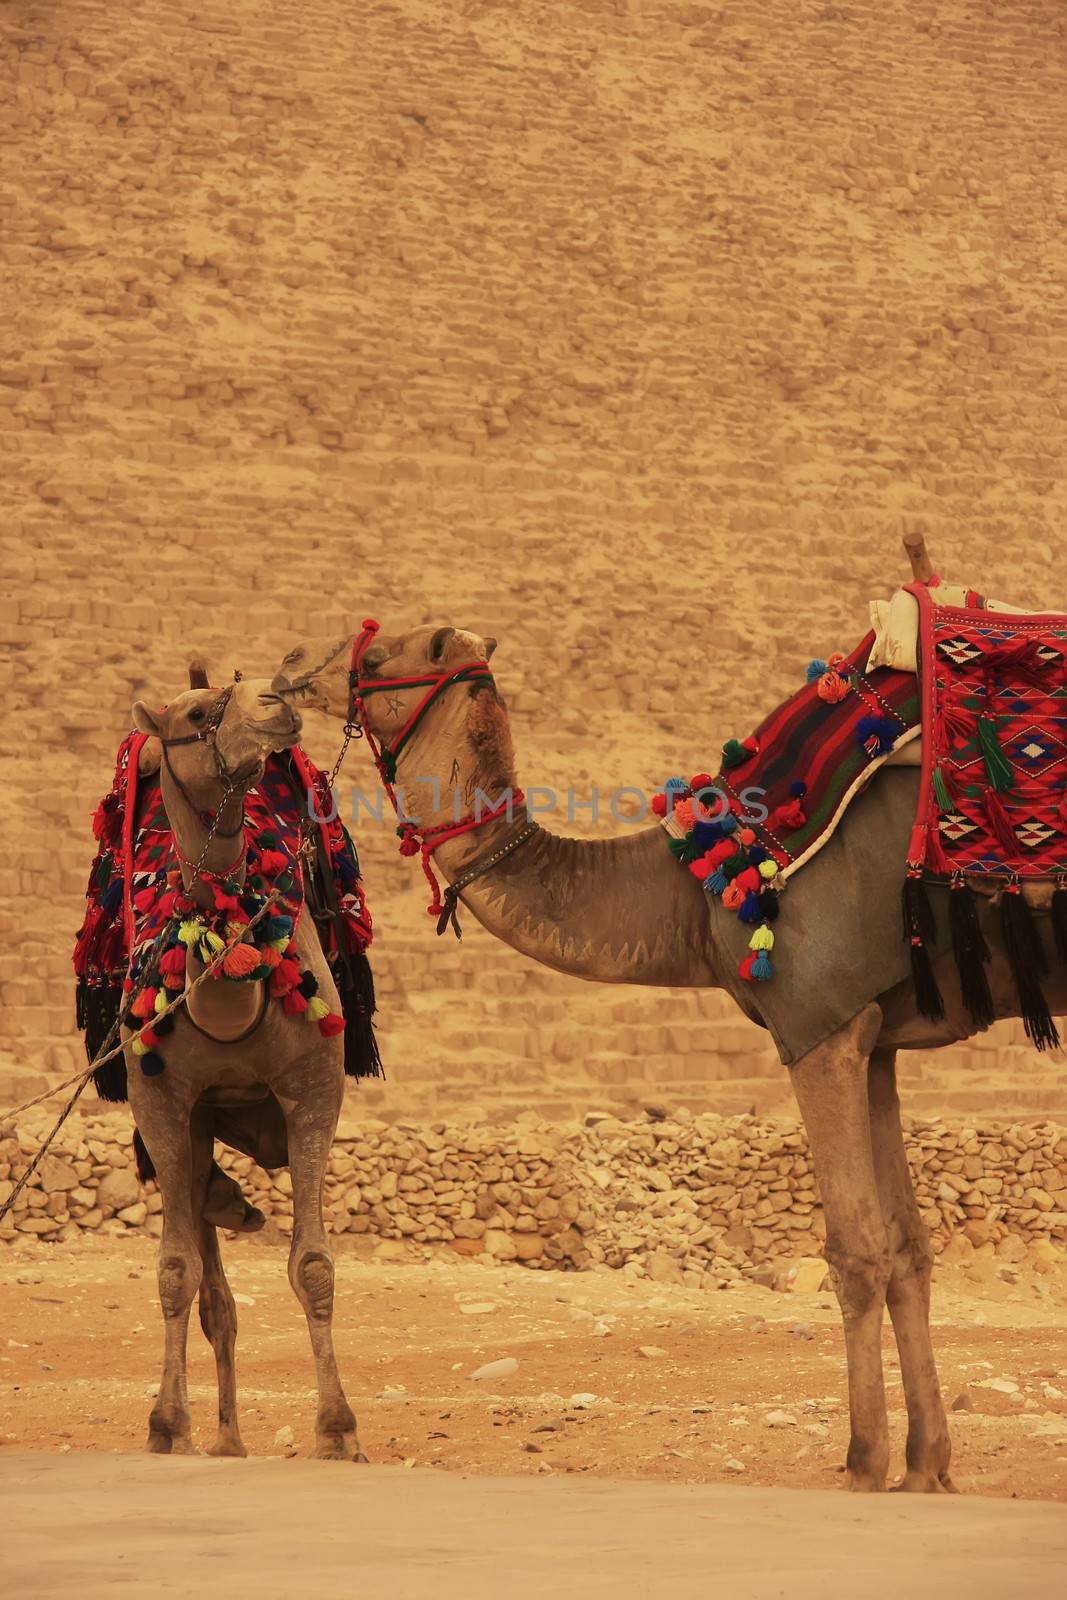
337	1447
360	1459
228	1444
226	1207
864	1483
915	1481
167	1444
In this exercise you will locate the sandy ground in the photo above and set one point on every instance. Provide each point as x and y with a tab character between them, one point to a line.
322	1530
615	1377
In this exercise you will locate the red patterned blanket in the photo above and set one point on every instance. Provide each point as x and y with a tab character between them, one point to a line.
138	924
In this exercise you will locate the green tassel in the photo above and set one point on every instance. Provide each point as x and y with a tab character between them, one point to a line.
733	753
997	769
735	864
944	799
677	847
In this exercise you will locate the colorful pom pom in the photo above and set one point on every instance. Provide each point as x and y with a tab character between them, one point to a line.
733	898
331	1024
761	968
768	868
241	961
317	1008
762	939
814	670
152	1064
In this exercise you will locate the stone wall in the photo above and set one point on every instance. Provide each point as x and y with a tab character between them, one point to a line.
702	1200
633	331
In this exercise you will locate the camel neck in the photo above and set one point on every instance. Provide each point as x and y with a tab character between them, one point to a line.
226	853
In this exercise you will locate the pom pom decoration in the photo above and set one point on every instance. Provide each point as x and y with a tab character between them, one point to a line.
834	684
750	909
241	961
762	939
294	1004
876	735
733	898
761	968
317	1009
791	815
152	1064
768	869
815	670
798	789
735	752
331	1024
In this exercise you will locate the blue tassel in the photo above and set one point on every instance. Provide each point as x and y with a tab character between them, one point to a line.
798	788
728	824
704	834
716	881
152	1063
756	854
750	910
881	730
273	927
675	783
761	967
815	670
111	898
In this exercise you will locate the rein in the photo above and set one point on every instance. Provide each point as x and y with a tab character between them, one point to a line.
208	734
413	839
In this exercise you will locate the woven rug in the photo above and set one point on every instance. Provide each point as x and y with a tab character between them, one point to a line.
134	893
992	807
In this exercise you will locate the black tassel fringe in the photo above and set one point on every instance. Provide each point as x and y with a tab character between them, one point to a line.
146	1167
920	930
355	986
972	952
1026	956
97	1008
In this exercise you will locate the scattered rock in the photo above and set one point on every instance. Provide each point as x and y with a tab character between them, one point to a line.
506	1367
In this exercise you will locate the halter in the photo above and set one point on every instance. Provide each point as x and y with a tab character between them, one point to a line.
208	734
413	839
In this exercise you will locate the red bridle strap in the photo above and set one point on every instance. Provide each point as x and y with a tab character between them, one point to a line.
413	839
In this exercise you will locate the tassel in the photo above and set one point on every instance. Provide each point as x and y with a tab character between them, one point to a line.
309	984
750	909
152	1064
761	968
745	969
734	754
936	859
876	735
942	792
920	929
762	939
790	815
317	1009
716	882
294	1004
815	670
1059	917
172	961
997	769
771	906
240	962
1028	965
999	823
331	1025
733	897
971	951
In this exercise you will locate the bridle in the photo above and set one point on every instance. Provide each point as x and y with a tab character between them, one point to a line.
208	734
414	839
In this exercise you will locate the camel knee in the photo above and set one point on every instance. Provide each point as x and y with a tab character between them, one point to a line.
860	1279
218	1317
911	1258
311	1275
179	1278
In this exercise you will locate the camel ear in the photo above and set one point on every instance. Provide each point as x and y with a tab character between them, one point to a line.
490	646
146	721
439	643
150	758
198	675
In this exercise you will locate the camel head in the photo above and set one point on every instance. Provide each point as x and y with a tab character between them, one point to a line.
468	717
228	739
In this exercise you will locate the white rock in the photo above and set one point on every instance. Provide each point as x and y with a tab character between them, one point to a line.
1000	1385
283	1439
504	1368
477	1308
733	1465
779	1419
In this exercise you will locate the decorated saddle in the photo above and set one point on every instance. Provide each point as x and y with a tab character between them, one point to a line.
139	926
989	700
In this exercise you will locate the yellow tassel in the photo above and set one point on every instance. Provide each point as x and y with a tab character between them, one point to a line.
317	1008
210	944
768	868
138	1048
762	939
162	1000
189	932
282	944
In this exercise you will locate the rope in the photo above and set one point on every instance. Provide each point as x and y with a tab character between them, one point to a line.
82	1078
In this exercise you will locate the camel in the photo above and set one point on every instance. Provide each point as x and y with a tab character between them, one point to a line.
232	1050
621	911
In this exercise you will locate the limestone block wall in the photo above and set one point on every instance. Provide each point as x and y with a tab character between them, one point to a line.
633	331
702	1199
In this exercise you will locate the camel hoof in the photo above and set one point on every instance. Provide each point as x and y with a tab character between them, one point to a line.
915	1482
337	1447
360	1459
228	1445
167	1444
863	1483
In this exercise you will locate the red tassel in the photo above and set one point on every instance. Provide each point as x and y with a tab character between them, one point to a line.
998	821
149	1037
145	1004
285	976
173	960
703	868
145	899
936	858
271	862
745	969
747	880
790	815
331	1025
294	1004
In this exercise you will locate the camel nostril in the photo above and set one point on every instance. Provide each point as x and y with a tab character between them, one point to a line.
280	684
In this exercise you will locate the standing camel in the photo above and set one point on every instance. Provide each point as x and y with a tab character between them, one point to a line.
230	1047
621	911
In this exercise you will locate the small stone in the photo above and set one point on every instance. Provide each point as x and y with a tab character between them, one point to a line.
733	1465
29	1275
807	1275
651	1352
477	1308
283	1439
506	1367
779	1419
962	1402
998	1385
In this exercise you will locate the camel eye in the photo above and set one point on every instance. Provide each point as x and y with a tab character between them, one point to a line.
292	658
196	715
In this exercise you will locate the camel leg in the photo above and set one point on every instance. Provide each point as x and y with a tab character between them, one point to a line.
830	1084
929	1448
218	1313
311	1123
164	1123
